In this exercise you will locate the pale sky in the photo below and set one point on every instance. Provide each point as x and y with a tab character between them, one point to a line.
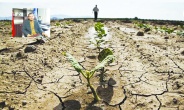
147	9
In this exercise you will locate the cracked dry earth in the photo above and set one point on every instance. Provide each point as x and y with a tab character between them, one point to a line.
148	73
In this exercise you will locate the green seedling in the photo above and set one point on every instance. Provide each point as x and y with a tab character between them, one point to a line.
99	28
180	33
155	27
169	30
146	27
141	25
162	29
166	29
97	43
68	22
86	73
58	24
102	55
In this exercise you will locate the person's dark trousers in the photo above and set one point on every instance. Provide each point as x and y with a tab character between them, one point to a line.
96	15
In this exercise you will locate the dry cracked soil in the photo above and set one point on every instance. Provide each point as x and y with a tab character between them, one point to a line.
147	74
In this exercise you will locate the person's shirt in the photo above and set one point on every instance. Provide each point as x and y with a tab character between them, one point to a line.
33	32
31	27
95	9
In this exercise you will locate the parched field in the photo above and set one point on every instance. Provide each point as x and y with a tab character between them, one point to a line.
147	74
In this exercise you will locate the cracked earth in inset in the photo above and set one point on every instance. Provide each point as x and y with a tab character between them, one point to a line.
147	74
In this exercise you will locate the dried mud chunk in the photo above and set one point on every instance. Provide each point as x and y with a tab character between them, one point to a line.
140	33
175	101
52	30
176	85
2	104
147	29
166	37
11	108
30	48
20	54
39	80
91	57
24	102
41	39
182	53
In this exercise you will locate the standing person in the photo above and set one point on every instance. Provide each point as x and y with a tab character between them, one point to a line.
95	9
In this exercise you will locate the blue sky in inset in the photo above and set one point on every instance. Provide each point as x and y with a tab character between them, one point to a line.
147	9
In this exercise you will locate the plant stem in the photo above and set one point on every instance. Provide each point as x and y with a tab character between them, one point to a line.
93	90
102	75
98	48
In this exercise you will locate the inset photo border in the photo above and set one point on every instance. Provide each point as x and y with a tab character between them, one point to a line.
22	25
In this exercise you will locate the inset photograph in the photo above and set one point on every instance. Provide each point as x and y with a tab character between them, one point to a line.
30	22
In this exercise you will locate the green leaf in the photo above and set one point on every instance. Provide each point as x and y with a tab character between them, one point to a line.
107	60
100	35
57	24
104	53
103	31
64	53
74	63
96	28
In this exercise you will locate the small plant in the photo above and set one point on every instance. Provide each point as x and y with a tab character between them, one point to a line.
141	25
167	30
68	22
181	26
89	74
156	28
99	28
102	55
97	43
146	27
57	24
180	33
162	29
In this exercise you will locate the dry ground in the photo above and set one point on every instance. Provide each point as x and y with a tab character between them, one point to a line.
148	73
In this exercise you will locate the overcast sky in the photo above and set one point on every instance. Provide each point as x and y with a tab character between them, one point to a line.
148	9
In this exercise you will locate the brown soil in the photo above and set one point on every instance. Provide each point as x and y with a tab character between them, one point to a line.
148	73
